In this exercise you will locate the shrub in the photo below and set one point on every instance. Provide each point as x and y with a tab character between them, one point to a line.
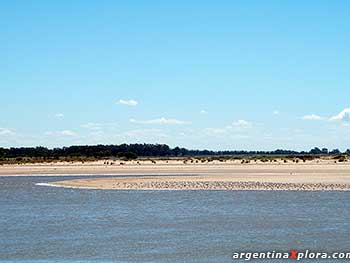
130	155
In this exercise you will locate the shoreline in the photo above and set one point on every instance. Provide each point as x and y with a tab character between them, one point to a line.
170	167
313	176
101	184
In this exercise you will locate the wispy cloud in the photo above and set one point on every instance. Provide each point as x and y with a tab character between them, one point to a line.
203	112
276	112
161	121
312	117
65	133
236	126
98	126
91	126
216	131
59	115
68	133
128	102
344	115
242	124
5	131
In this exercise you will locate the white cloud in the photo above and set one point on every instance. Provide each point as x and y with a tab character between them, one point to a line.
215	131
276	112
4	131
313	117
66	133
128	102
344	115
242	124
203	112
160	121
59	115
91	126
235	127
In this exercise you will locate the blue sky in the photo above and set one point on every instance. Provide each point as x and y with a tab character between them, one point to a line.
199	74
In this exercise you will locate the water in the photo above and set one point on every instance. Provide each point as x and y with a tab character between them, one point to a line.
50	224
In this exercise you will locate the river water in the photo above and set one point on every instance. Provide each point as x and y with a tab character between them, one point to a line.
52	224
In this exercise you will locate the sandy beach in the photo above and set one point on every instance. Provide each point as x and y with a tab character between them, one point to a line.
316	175
209	182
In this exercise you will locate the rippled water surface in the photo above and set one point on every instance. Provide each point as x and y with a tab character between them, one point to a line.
50	224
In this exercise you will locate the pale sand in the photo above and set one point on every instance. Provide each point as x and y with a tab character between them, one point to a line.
316	175
326	167
208	182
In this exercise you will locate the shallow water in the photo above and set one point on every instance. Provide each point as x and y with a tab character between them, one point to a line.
50	224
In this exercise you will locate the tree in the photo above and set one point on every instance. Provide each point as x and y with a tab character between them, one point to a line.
315	151
335	151
2	153
132	151
324	151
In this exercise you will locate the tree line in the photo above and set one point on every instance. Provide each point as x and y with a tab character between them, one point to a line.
132	151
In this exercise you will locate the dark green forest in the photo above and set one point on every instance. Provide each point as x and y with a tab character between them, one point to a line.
134	151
